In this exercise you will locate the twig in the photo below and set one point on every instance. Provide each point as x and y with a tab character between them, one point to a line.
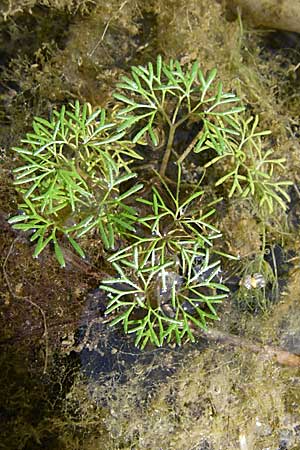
190	147
105	29
267	351
18	297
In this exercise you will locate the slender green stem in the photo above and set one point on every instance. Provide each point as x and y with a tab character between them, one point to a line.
190	147
164	115
173	127
263	247
168	151
176	110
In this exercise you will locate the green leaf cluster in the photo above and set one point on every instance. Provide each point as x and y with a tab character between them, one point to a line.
155	90
166	281
152	299
76	176
165	94
73	167
251	168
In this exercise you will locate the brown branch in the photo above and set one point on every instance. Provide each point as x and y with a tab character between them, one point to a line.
265	351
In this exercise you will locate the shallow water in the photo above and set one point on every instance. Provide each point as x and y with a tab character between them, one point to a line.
68	380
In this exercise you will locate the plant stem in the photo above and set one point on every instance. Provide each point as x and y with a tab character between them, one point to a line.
268	352
189	148
167	154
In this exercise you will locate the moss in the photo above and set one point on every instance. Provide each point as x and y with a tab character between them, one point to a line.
10	9
214	396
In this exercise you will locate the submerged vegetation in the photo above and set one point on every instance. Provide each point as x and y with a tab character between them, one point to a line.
78	163
72	382
71	177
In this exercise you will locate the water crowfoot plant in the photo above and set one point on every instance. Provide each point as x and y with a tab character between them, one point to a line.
159	301
251	168
166	95
176	220
74	165
76	177
167	279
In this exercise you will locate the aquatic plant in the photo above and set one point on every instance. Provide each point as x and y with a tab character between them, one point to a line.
250	171
78	177
258	285
167	280
163	301
166	95
175	220
74	165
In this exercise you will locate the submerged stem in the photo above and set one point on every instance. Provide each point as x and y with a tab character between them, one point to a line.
168	151
280	355
189	148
